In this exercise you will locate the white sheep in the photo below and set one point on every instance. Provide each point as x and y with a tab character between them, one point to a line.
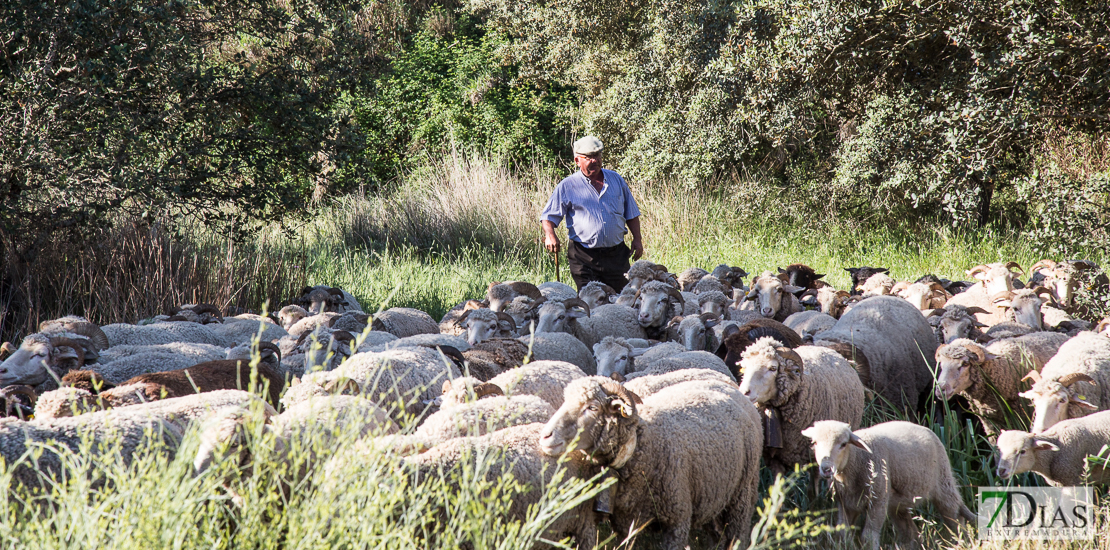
404	321
650	384
543	379
678	361
996	280
557	291
684	456
1059	454
484	415
886	470
772	298
659	303
560	346
483	324
575	317
1074	383
808	323
990	376
164	333
121	363
690	277
793	388
879	284
597	293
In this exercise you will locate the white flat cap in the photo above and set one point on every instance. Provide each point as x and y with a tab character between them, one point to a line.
587	146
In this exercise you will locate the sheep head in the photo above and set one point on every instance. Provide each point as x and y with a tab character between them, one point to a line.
614	355
289	315
690	277
768	369
769	292
483	324
658	303
925	296
957	322
831	301
691	329
1056	400
1025	303
598	418
954	364
713	302
861	274
996	277
498	295
710	283
596	293
832	445
628	297
640	273
1017	452
879	284
731	277
1061	278
80	326
39	352
561	316
800	275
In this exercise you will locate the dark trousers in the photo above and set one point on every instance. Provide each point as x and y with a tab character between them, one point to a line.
607	265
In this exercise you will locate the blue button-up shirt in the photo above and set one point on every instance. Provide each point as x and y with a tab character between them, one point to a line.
597	220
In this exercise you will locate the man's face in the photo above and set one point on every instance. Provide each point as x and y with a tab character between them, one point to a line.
589	164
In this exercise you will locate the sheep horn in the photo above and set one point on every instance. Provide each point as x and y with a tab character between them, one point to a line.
6	349
978	351
487	389
615	388
343	336
577	302
336	291
753	292
937	287
1051	265
709	316
502	316
454	353
537	303
1014	265
1000	296
474	304
19	389
343	386
306	290
84	328
843	294
1041	292
609	291
62	341
271	347
1102	325
674	293
527	289
977	269
1073	377
976	309
617	376
208	308
791	355
462	318
935	312
1034	376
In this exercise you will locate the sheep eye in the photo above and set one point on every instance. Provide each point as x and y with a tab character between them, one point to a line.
1022	452
774	368
623	358
561	317
592	408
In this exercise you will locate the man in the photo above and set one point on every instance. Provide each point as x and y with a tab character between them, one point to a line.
599	210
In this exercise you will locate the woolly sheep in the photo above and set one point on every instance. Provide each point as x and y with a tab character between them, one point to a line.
793	388
498	295
694	332
515	452
890	345
543	379
925	296
659	303
831	301
771	298
879	284
990	376
954	321
450	323
668	450
885	470
240	332
684	360
404	321
860	275
808	323
597	293
615	356
479	417
560	346
643	271
1063	279
1074	383
690	277
574	317
41	358
164	333
995	281
557	292
713	302
628	297
291	315
482	324
708	284
732	277
735	340
1059	454
649	384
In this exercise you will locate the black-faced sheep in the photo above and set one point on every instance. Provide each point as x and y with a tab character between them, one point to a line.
1074	383
667	450
886	470
891	346
1059	454
736	340
793	388
990	376
861	274
801	276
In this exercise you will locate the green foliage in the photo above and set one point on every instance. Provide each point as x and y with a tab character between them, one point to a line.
1072	215
447	92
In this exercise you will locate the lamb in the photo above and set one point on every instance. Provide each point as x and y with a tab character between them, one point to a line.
32	449
860	275
772	298
1059	454
801	276
596	294
793	388
659	302
404	321
482	324
560	346
882	471
667	450
574	317
498	295
1075	382
808	323
891	346
690	277
990	376
735	340
517	454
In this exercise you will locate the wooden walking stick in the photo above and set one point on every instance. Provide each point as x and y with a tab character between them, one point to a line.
557	277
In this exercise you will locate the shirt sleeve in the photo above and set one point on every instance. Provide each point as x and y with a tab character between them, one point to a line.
631	210
556	208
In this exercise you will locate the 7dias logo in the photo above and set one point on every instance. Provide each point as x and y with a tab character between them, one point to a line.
1036	513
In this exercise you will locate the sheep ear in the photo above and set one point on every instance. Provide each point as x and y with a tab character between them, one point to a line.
674	321
1028	395
1042	445
446	386
988	356
810	432
855	440
636	352
793	289
1081	400
712	323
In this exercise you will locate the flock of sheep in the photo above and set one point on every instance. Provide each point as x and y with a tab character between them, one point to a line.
658	385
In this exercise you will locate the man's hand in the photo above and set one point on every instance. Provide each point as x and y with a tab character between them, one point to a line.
637	249
551	243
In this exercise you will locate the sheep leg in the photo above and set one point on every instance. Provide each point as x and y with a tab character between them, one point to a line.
677	537
873	522
905	529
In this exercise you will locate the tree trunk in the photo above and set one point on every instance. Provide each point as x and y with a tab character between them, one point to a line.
986	193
